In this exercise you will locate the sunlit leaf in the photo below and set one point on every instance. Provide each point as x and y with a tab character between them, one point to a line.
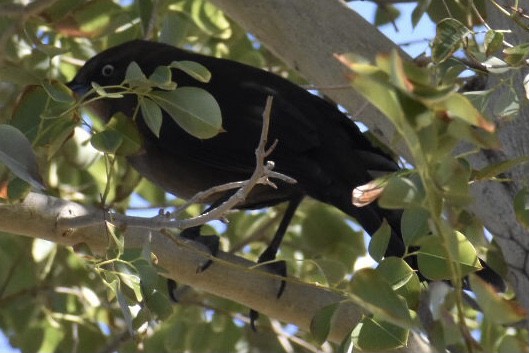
448	39
370	290
434	257
378	335
516	55
401	192
460	107
198	71
493	42
402	279
496	308
334	271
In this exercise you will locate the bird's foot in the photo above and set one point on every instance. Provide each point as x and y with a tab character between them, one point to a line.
211	242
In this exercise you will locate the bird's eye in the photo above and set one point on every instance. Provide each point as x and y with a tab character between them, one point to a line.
107	70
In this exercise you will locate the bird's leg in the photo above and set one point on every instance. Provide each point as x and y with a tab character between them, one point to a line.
212	242
269	255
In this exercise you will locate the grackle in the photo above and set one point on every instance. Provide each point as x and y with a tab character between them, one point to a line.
317	144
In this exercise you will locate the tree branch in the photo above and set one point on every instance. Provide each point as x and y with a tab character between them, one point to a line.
230	276
261	175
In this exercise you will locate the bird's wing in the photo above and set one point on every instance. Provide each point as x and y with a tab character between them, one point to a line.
242	106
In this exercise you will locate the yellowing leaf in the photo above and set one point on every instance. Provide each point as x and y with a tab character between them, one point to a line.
495	308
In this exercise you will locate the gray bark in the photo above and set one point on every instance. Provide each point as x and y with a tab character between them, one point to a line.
45	217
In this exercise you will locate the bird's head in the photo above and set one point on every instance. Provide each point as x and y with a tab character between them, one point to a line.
108	68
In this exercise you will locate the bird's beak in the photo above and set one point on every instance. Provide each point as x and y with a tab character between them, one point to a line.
78	89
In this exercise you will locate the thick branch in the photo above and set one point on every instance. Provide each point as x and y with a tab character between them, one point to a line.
229	276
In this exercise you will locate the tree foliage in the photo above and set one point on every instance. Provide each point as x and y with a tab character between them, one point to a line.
55	298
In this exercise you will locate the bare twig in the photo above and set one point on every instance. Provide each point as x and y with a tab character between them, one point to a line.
261	175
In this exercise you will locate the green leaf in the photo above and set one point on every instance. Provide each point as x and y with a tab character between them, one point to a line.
152	115
134	76
379	242
209	19
402	279
517	55
333	271
495	169
58	91
121	137
380	336
16	153
495	308
198	71
53	336
160	305
161	78
118	240
95	18
122	301
386	14
26	114
521	206
401	192
194	109
507	104
448	39
458	106
18	75
380	95
107	141
493	42
132	140
419	11
326	233
320	325
17	189
370	290
100	90
414	225
433	257
77	151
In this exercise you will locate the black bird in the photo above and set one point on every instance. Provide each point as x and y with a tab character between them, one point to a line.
317	145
